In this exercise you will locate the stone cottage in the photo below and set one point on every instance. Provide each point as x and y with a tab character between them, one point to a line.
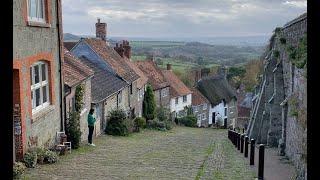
180	94
223	101
200	108
77	74
156	79
37	74
279	115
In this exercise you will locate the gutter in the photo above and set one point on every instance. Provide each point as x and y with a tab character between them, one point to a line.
62	98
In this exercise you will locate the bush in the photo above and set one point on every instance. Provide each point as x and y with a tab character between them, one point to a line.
149	104
276	54
50	157
73	131
169	124
155	124
283	40
30	159
140	122
18	169
162	114
189	121
40	155
117	125
129	123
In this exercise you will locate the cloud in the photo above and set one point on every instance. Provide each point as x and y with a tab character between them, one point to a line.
180	17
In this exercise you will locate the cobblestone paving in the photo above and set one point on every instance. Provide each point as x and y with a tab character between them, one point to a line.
182	153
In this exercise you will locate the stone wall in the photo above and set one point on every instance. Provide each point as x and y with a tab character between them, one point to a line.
162	101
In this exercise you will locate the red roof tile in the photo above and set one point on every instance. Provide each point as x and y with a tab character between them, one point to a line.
177	87
198	98
74	70
143	78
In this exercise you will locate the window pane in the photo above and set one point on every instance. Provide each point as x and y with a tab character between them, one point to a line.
36	74
37	97
43	70
33	8
44	94
32	99
40	9
31	75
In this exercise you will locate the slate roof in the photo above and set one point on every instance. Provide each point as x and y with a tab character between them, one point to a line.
103	83
198	98
116	62
69	45
216	89
154	74
74	71
177	87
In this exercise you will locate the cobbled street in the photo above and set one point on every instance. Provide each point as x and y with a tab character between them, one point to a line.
181	153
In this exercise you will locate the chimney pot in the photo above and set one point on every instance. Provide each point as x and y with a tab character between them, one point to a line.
98	20
169	67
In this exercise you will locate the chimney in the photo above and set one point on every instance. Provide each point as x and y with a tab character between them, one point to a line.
169	67
127	49
101	31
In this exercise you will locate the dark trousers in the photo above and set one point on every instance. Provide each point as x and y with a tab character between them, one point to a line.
90	134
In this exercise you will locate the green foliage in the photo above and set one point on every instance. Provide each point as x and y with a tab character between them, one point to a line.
149	104
79	97
140	122
163	114
169	124
293	103
277	30
276	54
117	125
18	169
129	123
73	131
235	71
50	157
40	155
189	121
156	124
30	159
298	56
283	40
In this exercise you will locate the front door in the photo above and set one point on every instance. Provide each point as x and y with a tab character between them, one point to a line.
213	118
225	123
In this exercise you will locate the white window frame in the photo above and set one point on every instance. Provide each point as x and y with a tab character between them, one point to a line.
185	96
164	92
204	107
40	86
176	100
203	116
199	117
37	18
195	109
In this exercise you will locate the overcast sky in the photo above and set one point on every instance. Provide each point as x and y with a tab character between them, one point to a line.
180	18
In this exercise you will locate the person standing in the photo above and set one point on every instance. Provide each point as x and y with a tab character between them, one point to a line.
91	121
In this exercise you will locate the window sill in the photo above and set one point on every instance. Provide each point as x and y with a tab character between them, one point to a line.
38	24
41	113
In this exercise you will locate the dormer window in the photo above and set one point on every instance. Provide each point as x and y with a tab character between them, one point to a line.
36	10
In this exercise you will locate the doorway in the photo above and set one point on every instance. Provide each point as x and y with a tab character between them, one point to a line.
225	123
213	118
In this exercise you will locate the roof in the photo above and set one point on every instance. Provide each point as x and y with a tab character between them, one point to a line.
74	71
243	112
177	87
299	18
216	89
154	74
103	83
143	78
198	98
247	100
70	44
117	63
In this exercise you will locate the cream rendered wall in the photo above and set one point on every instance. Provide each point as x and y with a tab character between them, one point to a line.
180	106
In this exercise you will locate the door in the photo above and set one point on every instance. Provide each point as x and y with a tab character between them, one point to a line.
225	123
213	118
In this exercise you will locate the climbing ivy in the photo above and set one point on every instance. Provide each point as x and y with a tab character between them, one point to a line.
298	55
79	97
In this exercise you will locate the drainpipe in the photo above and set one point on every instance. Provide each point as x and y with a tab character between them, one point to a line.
59	27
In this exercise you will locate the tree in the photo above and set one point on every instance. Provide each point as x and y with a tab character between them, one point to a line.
149	104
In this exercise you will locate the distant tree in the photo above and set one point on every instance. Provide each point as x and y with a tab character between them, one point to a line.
200	60
253	70
149	104
235	71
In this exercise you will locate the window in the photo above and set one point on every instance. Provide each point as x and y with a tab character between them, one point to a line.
195	108
39	86
119	97
131	89
177	100
199	117
204	106
203	116
184	98
164	92
36	10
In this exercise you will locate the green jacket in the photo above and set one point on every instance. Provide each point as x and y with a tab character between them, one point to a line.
91	120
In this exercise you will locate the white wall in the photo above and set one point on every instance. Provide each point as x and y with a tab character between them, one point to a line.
219	110
180	106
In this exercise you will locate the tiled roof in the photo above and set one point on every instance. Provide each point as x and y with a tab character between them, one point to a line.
69	45
103	83
116	62
143	78
74	70
154	74
243	111
198	98
177	87
216	89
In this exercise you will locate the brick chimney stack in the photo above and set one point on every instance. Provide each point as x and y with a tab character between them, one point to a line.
101	30
120	50
127	49
197	75
169	67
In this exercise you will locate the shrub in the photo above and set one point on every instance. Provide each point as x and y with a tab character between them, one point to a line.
156	124
162	114
189	121
117	125
149	104
40	155
73	131
140	122
30	159
169	124
283	40
50	157
18	169
276	54
129	123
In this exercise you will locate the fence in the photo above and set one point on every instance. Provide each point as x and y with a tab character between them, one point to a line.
241	142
